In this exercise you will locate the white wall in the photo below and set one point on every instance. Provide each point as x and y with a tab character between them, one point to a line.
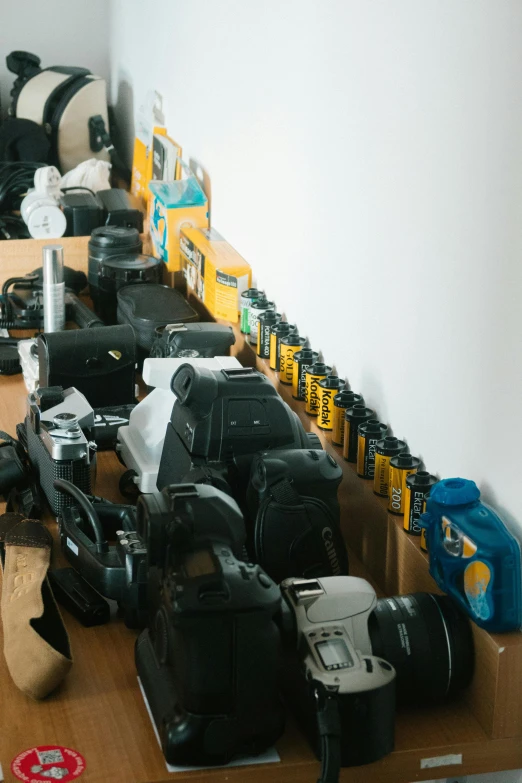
60	33
365	157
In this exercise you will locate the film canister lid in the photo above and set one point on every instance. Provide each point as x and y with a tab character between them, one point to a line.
372	426
318	369
282	328
263	304
359	411
269	317
422	480
253	293
347	399
455	492
306	354
404	460
390	445
332	382
292	339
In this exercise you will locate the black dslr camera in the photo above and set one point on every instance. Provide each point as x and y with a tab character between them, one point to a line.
192	341
58	433
219	421
293	515
209	659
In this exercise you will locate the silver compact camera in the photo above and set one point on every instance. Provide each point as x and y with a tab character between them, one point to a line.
59	435
331	677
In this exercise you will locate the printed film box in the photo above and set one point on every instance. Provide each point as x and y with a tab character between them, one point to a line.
214	271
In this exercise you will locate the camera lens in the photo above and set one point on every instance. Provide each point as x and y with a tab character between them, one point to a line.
429	642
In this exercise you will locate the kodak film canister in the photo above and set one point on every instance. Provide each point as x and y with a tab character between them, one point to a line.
387	448
418	488
354	416
328	388
258	307
265	323
278	331
290	345
317	372
248	298
303	359
343	400
368	435
401	466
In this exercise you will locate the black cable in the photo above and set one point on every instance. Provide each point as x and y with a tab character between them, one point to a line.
7	320
87	508
77	187
329	729
16	178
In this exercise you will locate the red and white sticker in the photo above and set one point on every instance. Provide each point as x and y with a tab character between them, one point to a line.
48	762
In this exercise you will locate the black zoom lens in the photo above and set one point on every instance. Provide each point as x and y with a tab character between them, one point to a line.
429	642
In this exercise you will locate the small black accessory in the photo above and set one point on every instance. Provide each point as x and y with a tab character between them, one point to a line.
120	208
79	598
105	242
107	422
293	515
82	212
100	363
192	340
145	307
9	360
209	660
23	141
119	271
13	470
117	572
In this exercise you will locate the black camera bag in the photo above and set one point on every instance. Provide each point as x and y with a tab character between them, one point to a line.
293	514
100	363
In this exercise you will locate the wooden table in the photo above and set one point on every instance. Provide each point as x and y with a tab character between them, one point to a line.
99	710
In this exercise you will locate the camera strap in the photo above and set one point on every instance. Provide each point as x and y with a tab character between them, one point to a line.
329	731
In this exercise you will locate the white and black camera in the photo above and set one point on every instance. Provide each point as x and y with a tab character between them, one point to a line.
59	435
343	694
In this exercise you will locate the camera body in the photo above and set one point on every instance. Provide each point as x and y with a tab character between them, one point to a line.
220	420
474	556
59	433
203	340
293	514
331	656
208	661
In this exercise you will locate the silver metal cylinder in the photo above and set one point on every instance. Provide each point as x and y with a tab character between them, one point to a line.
53	288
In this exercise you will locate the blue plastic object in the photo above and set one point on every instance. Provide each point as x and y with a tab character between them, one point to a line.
473	556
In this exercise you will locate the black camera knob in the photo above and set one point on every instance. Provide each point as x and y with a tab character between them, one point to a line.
64	421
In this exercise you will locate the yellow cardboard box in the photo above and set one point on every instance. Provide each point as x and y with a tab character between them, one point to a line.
171	206
214	271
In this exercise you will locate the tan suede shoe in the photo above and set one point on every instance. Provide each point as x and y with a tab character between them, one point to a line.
36	644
